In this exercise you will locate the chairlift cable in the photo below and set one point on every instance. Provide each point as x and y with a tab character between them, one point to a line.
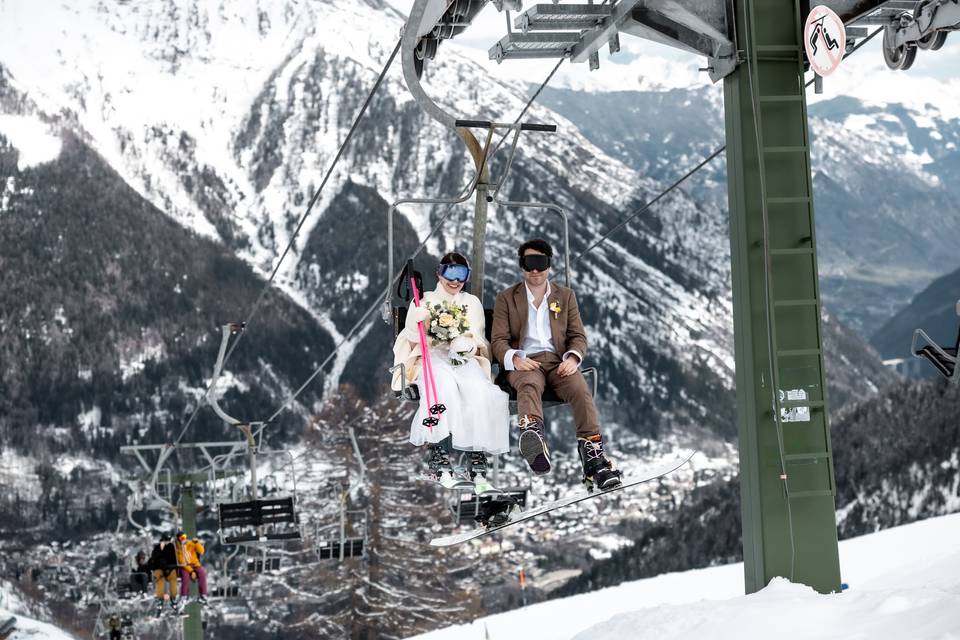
692	171
293	237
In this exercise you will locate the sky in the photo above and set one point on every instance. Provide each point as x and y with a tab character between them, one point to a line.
643	65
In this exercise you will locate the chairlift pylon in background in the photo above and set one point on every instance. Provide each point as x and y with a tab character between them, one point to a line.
943	358
253	520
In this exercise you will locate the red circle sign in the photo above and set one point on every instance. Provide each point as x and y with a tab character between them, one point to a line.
825	40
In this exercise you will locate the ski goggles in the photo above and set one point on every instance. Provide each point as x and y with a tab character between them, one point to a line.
454	272
535	262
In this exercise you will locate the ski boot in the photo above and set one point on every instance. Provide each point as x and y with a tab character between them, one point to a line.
440	468
177	606
532	445
478	473
159	609
598	471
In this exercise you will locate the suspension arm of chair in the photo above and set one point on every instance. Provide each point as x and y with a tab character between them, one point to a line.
920	333
525	126
227	330
404	393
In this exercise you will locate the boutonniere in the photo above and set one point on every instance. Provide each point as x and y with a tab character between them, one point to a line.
555	307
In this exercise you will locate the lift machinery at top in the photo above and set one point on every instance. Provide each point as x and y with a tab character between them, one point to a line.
578	30
756	47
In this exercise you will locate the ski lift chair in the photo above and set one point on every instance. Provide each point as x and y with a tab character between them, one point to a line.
410	392
338	546
332	549
261	565
943	358
253	516
227	592
259	520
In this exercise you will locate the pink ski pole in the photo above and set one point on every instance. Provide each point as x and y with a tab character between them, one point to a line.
429	383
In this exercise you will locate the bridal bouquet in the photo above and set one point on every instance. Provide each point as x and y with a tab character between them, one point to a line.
448	324
448	321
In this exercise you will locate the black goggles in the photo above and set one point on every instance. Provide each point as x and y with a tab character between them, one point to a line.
535	262
454	272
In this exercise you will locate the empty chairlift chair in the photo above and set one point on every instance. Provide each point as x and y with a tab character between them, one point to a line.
944	358
258	521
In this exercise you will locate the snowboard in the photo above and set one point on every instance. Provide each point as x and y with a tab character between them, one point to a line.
521	516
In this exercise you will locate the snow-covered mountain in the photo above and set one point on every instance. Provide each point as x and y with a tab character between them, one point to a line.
885	186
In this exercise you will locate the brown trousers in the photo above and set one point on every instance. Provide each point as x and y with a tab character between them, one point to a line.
159	580
572	389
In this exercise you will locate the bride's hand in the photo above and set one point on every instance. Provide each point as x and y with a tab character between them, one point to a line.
463	344
416	315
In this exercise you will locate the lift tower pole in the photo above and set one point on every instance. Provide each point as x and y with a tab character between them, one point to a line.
786	464
193	623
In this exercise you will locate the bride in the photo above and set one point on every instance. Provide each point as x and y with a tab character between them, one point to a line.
476	416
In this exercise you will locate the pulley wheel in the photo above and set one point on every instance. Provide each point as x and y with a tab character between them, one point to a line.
900	58
931	41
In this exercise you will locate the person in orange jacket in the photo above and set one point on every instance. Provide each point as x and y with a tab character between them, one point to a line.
188	557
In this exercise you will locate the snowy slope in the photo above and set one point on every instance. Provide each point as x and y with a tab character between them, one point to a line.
904	583
12	605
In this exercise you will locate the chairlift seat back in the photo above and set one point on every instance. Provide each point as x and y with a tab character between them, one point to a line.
945	365
352	548
258	513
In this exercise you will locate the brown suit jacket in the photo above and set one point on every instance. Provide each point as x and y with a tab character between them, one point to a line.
510	321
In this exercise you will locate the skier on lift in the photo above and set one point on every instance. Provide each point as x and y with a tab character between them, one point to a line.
163	563
188	557
539	337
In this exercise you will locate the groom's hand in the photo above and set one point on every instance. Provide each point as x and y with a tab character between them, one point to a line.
524	364
568	366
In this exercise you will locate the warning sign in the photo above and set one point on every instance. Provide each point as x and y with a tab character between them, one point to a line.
825	40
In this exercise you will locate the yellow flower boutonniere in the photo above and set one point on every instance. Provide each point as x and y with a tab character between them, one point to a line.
555	307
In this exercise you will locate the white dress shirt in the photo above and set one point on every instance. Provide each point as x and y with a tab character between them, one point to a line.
539	338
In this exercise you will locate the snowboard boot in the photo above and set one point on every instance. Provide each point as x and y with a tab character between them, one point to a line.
175	607
532	446
202	599
478	473
159	610
440	468
598	471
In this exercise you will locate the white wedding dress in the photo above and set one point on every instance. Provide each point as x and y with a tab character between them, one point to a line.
477	413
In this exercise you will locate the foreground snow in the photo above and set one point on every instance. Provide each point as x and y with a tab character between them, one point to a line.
10	603
904	583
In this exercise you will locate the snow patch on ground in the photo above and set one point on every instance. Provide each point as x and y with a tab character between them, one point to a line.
32	139
135	364
13	605
89	420
904	583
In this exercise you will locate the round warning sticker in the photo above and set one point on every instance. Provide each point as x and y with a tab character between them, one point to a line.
825	40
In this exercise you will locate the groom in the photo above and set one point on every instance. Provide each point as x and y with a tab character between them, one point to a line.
538	337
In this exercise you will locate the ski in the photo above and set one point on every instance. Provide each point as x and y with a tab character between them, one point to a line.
521	516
